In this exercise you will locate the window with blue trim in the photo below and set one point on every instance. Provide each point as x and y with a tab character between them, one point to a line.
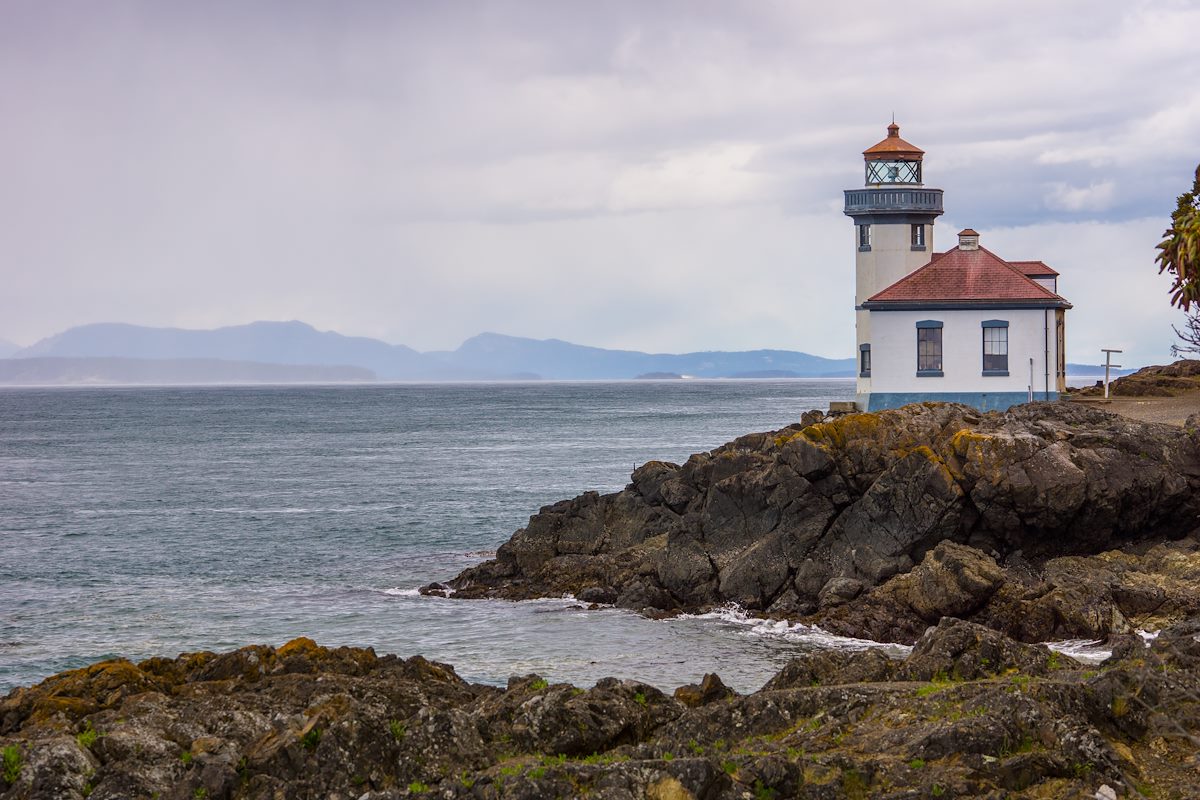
929	348
995	347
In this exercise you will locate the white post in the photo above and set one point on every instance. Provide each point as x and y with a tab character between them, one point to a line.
1107	366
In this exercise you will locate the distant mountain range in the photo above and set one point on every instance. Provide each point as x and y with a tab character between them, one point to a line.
119	353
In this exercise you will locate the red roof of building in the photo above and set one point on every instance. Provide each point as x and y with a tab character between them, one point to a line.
893	147
1035	269
968	276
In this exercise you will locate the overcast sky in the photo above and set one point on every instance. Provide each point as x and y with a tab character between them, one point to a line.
660	176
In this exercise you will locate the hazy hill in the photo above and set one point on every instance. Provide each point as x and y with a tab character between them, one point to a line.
262	342
39	371
487	356
554	358
7	348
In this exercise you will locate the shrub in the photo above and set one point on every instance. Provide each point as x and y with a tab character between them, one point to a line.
87	737
311	739
13	762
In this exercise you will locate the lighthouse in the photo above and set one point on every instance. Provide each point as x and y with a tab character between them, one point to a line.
893	218
960	326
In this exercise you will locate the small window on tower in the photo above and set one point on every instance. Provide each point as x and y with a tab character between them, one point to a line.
864	237
918	236
864	361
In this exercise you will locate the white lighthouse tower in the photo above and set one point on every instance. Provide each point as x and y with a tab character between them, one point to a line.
893	228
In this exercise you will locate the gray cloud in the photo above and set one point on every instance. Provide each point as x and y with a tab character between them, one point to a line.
662	176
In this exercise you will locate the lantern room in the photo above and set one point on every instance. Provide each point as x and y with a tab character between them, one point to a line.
893	161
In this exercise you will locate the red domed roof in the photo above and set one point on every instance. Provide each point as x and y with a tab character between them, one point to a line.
893	147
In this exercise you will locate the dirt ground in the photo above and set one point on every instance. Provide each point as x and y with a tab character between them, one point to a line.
1171	410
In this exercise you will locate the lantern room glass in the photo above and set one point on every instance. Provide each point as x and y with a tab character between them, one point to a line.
893	172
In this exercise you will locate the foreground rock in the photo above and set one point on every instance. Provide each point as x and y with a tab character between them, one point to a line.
971	713
1051	520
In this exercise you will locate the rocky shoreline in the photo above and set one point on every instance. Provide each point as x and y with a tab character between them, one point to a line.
1049	521
969	536
969	713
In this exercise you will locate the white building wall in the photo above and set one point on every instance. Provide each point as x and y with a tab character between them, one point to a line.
894	352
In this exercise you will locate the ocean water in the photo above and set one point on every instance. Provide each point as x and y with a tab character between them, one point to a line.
153	521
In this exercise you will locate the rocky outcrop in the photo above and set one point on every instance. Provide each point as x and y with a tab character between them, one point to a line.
828	520
1170	380
970	713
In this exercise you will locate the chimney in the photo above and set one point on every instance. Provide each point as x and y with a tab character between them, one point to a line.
968	239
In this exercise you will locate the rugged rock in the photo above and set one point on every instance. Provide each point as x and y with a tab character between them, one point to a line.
879	524
1158	381
970	713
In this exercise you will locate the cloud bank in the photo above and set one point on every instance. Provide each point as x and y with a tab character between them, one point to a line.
659	176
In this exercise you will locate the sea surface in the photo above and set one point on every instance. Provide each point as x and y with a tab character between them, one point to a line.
152	521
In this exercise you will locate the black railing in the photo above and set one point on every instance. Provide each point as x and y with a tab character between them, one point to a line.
873	200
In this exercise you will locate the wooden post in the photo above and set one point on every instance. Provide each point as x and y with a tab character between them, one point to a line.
1107	366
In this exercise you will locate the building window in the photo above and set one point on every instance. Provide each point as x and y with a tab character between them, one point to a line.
929	349
864	361
918	237
864	237
995	347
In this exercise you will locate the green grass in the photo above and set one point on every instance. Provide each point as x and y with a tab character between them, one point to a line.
539	684
416	787
186	757
917	763
87	737
729	767
668	756
398	730
1020	683
762	792
854	785
13	762
640	698
311	739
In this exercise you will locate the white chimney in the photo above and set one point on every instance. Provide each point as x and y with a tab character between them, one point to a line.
968	239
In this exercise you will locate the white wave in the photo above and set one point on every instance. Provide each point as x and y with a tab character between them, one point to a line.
396	591
1093	651
1089	651
795	632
